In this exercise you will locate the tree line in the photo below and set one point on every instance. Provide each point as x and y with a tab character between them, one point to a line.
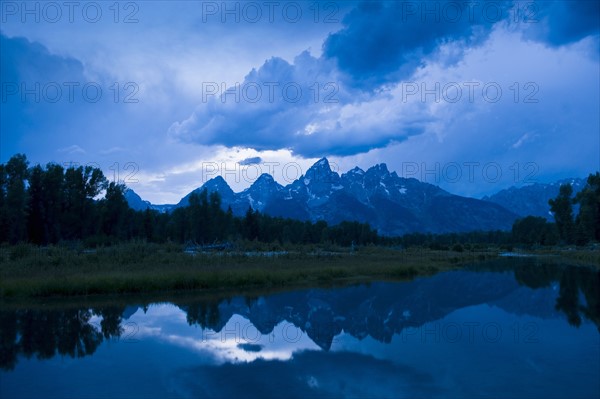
53	204
568	228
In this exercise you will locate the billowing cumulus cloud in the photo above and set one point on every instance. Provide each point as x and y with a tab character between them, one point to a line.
541	133
360	94
301	107
359	87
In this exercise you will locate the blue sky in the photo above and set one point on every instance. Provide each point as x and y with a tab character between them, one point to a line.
474	97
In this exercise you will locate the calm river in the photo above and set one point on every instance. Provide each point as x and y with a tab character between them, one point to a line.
515	328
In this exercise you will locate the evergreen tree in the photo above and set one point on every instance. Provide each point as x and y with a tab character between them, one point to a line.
3	205
588	219
534	230
36	218
53	200
81	186
114	211
149	221
562	209
250	225
16	198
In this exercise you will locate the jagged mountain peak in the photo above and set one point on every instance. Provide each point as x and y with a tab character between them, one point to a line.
356	171
135	201
258	194
320	173
378	170
264	177
217	180
391	204
322	162
264	182
217	184
320	167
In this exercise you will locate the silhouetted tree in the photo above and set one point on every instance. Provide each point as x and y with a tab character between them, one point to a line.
251	224
16	198
81	186
36	210
53	201
534	230
114	211
562	209
587	224
149	221
3	205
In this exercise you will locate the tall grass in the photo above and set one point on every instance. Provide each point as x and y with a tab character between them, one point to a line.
138	267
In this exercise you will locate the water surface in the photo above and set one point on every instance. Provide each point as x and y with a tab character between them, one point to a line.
512	328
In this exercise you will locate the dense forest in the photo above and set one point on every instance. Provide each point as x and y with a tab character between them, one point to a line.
53	204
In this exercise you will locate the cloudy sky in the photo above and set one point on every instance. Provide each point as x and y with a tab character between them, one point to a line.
474	97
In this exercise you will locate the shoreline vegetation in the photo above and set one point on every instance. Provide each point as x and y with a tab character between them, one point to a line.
69	232
31	272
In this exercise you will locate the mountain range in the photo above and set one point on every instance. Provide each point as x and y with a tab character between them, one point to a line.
392	204
382	310
533	199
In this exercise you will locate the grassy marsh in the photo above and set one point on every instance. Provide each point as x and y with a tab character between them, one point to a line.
29	271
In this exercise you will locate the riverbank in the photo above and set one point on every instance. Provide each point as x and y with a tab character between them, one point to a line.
27	271
570	255
137	268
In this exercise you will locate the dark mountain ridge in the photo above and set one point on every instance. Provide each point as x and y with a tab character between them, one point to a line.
532	200
393	205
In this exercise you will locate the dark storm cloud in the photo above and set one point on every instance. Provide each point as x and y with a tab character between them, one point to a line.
250	161
54	108
24	59
380	45
300	106
564	22
35	94
383	42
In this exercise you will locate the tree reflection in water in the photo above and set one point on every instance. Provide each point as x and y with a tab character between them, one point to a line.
45	333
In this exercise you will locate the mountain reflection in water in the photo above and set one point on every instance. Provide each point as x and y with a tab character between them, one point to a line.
343	341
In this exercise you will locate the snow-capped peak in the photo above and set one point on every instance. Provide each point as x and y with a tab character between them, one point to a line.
322	162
